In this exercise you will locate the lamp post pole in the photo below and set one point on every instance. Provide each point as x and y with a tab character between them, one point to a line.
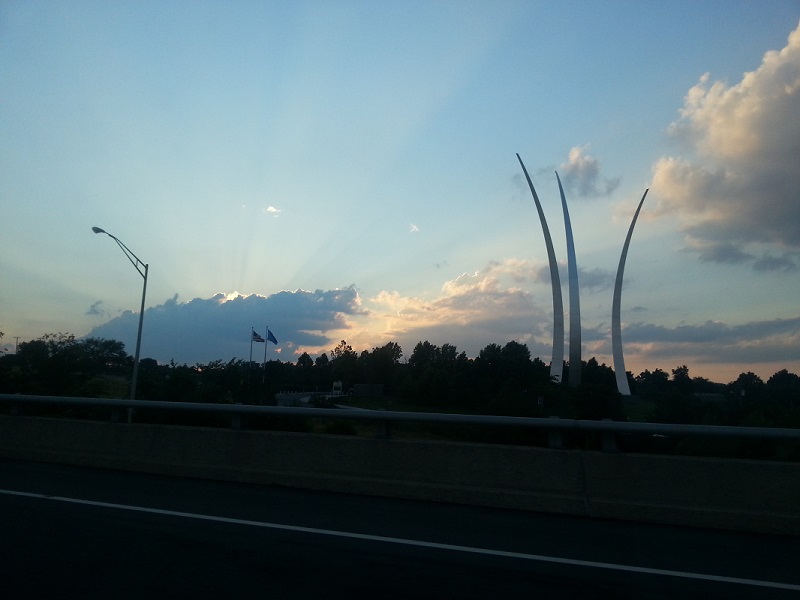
142	269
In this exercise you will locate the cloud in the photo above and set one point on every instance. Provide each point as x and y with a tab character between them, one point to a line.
462	301
96	310
739	184
206	329
767	262
470	311
581	174
720	252
475	309
716	342
593	280
271	210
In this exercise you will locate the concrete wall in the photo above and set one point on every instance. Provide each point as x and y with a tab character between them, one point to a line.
708	492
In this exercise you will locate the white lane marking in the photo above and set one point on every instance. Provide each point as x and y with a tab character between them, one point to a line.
417	543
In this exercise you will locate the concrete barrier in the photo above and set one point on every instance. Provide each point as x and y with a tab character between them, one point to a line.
707	492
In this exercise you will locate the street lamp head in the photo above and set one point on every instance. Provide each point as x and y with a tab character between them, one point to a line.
142	269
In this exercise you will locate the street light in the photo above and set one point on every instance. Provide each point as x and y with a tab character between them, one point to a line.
142	269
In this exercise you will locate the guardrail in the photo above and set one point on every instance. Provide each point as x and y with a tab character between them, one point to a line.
555	426
513	471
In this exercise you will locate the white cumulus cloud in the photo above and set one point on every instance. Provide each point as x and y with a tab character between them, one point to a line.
739	183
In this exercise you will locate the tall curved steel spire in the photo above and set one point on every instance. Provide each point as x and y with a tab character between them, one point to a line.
557	361
574	298
616	334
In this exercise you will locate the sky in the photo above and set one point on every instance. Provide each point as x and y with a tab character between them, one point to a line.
347	171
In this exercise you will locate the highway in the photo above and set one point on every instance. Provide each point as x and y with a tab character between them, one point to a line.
73	532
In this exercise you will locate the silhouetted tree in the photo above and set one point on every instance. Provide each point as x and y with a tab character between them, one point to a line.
304	371
598	374
487	365
748	386
652	383
681	380
59	364
381	365
433	373
784	387
305	361
225	382
515	367
322	372
701	385
344	363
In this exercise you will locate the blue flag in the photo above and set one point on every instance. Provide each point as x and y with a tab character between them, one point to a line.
271	337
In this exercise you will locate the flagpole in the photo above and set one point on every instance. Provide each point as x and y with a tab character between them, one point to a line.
264	364
250	362
266	343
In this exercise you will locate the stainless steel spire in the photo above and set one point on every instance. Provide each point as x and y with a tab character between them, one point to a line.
557	361
616	334
574	298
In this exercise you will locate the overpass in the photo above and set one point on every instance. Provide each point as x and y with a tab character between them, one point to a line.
746	495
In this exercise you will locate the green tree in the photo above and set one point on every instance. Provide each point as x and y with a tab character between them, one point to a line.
60	364
223	382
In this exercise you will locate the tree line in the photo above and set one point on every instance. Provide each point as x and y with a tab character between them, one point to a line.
500	380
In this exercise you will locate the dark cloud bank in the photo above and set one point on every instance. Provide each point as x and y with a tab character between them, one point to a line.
204	330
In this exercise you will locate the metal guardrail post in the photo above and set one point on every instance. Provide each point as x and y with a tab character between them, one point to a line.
554	438
608	440
236	421
384	429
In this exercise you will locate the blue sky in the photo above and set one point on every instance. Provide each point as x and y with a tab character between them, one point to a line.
347	170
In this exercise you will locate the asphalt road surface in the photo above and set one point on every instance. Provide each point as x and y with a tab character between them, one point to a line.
69	532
